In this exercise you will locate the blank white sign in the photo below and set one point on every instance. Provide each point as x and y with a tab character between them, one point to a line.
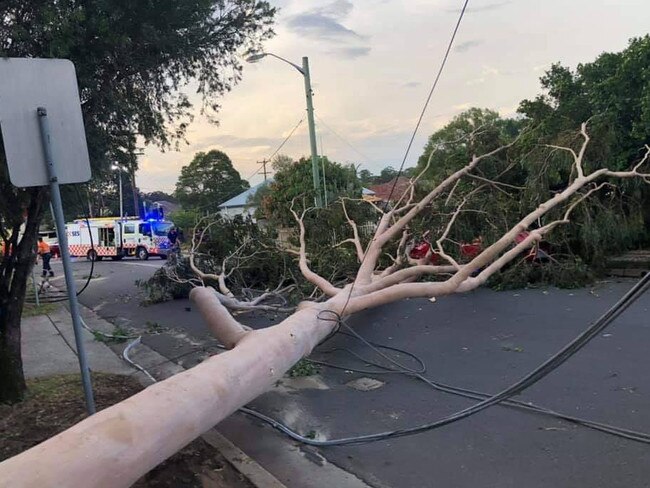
25	85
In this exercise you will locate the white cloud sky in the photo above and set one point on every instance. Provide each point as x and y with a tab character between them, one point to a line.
372	64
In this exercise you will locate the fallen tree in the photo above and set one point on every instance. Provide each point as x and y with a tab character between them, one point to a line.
118	445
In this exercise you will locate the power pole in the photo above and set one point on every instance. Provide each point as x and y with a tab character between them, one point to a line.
264	163
318	200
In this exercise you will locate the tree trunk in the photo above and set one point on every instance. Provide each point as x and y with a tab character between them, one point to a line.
14	274
12	384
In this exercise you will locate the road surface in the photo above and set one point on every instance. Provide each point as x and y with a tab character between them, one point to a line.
483	340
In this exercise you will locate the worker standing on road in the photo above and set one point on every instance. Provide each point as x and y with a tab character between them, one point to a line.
46	255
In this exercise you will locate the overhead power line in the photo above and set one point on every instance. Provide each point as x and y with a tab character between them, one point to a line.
417	126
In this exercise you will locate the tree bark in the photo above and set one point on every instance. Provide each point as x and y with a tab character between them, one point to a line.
12	384
14	274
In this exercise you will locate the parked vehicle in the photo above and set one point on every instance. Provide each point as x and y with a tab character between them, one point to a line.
116	238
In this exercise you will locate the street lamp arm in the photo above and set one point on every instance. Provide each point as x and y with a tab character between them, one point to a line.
257	57
288	62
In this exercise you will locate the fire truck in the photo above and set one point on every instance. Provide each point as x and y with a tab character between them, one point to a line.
115	238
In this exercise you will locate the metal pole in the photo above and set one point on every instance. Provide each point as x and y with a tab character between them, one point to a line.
121	214
312	133
121	199
65	257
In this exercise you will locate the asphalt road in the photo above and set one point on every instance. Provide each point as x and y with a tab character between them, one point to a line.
483	340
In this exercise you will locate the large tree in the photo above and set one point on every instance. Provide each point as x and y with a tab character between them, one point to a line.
195	400
209	180
613	92
133	59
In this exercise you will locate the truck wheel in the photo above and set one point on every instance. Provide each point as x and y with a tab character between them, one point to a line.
142	254
92	255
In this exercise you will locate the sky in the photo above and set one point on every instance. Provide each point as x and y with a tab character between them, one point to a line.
372	65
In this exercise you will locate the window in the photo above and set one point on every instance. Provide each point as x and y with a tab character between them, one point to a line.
129	229
145	229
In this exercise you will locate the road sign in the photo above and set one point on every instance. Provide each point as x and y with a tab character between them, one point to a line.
25	85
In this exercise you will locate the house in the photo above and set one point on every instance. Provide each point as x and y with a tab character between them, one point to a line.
240	204
392	190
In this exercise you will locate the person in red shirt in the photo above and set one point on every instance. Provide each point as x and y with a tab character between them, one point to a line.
46	255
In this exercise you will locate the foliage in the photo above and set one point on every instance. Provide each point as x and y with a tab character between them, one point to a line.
185	219
209	180
570	273
294	181
160	288
132	59
157	196
263	265
613	93
303	368
367	179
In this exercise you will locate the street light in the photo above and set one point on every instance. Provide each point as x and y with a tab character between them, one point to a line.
304	71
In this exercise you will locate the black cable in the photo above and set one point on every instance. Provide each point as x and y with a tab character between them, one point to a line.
92	261
417	127
531	378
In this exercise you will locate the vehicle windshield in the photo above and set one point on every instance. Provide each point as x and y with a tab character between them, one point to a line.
161	228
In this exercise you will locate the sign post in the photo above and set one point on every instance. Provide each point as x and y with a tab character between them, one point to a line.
31	109
57	206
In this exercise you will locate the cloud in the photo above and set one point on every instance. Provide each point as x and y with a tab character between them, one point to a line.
411	84
230	141
351	52
467	45
324	24
481	8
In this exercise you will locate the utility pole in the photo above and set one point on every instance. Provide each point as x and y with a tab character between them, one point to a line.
304	71
318	201
264	163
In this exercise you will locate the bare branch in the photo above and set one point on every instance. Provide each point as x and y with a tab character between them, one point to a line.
309	275
355	231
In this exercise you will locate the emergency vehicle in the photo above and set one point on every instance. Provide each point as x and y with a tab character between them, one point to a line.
117	238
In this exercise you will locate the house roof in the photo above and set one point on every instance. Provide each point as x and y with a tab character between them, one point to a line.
385	190
366	191
241	200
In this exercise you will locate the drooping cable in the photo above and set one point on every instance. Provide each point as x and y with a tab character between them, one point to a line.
416	128
528	380
62	296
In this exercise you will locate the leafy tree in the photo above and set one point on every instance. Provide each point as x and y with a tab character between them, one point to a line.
613	92
367	178
386	175
132	60
157	196
208	181
280	162
295	181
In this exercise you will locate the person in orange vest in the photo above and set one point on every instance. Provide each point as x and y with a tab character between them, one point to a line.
46	255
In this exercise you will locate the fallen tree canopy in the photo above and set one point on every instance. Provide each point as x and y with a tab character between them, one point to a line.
135	435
